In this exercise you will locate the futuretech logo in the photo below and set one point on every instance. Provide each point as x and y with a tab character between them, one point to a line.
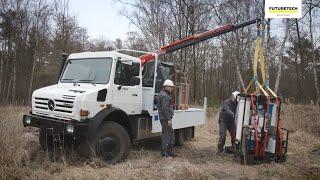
283	8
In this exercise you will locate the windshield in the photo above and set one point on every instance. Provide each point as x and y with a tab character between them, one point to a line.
87	71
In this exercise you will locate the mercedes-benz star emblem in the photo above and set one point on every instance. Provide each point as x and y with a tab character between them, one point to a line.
51	104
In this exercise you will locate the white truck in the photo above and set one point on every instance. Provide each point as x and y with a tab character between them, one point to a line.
105	101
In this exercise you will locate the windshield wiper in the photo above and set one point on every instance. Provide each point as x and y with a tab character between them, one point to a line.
72	80
87	80
68	79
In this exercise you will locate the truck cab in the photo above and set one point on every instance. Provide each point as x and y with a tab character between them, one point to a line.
90	81
105	101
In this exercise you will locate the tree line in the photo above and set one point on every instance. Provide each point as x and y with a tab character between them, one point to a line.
33	34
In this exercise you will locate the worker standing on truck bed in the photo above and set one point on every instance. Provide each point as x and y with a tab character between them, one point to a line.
165	110
227	121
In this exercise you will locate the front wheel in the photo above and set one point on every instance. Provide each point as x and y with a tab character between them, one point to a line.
111	143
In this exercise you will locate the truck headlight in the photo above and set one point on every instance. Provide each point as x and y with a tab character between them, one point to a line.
70	128
28	120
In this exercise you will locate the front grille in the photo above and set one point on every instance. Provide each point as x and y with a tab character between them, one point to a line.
64	105
41	103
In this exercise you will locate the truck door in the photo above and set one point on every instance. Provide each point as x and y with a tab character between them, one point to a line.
127	89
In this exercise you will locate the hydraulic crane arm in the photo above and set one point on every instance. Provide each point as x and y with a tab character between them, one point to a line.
194	39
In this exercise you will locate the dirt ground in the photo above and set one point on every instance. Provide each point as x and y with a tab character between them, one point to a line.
22	158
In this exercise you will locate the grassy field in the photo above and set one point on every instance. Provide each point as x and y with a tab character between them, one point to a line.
22	158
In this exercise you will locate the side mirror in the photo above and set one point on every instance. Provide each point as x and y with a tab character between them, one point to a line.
135	81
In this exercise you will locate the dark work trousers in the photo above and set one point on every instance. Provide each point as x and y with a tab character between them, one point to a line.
223	127
167	135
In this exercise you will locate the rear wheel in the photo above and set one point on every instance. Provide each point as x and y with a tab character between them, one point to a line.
111	143
187	133
179	137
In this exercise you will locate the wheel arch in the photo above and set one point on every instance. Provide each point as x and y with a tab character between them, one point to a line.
111	114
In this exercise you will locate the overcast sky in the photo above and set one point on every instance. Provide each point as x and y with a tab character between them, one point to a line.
101	18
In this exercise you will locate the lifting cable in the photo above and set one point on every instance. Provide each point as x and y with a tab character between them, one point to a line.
259	59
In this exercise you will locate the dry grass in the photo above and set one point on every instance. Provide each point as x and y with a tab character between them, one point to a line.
21	157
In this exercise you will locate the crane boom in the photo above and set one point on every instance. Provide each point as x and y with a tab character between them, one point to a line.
194	39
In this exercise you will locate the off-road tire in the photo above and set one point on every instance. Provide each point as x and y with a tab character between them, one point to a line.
112	136
187	134
179	137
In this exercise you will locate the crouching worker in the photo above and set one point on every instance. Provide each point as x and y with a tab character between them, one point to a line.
165	111
227	122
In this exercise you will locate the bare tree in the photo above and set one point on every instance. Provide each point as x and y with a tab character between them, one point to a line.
281	53
314	67
41	15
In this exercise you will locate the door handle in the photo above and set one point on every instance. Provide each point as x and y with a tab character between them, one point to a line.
134	94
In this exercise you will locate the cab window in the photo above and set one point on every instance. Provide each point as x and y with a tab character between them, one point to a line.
127	74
